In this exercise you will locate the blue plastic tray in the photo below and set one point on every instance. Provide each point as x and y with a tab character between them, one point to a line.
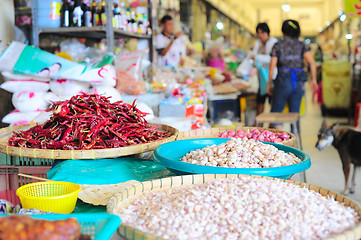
169	155
99	226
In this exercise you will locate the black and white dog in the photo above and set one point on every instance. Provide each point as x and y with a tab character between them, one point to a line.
348	144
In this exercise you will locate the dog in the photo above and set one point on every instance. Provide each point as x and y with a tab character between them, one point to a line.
348	144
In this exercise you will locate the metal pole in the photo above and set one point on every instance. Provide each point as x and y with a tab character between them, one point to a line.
35	25
150	18
109	32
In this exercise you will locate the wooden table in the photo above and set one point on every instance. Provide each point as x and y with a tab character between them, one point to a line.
292	118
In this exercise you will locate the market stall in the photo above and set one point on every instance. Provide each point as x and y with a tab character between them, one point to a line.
106	143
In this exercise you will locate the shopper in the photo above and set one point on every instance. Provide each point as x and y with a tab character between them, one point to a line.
289	55
169	47
261	51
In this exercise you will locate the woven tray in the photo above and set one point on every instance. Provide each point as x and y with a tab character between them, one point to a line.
127	196
6	133
214	132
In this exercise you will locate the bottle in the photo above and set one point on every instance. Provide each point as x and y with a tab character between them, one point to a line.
87	15
95	17
65	14
78	14
139	23
102	15
149	29
99	14
115	17
129	22
123	16
71	8
133	21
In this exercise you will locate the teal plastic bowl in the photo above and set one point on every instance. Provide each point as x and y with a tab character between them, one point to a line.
170	154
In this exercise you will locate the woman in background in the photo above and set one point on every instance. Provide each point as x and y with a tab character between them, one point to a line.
289	55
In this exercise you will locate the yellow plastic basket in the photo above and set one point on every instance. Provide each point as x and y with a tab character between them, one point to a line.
53	196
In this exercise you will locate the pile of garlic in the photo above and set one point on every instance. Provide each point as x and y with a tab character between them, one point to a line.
242	208
241	153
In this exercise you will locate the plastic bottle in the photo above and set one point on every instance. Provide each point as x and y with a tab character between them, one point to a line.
95	16
103	16
48	13
78	14
114	19
65	14
87	15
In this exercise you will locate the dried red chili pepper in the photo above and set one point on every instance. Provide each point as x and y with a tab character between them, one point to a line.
89	122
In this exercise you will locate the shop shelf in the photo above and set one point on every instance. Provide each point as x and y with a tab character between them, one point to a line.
10	181
96	32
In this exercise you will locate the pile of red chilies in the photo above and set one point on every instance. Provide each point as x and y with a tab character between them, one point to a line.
89	122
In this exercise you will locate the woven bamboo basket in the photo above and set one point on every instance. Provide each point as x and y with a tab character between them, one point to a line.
214	132
6	133
124	198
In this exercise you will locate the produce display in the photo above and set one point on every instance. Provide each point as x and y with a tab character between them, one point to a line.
256	134
24	227
89	122
245	208
241	153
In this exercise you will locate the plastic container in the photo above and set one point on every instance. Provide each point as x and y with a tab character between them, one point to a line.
10	181
98	226
216	63
182	124
50	196
169	155
336	84
48	13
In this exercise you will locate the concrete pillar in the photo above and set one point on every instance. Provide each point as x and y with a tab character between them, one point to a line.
7	20
7	17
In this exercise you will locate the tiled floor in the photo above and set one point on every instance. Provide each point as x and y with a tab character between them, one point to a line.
326	169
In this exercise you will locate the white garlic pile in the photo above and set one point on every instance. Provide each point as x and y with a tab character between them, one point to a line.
241	153
246	208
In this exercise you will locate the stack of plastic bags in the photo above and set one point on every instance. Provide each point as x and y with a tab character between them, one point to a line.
28	97
31	95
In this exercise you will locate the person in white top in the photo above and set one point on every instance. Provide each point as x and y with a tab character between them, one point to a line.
262	53
169	46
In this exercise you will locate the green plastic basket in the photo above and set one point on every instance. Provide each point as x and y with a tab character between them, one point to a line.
26	161
5	159
99	226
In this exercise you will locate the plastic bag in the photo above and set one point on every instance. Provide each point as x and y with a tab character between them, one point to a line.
12	76
146	109
107	171
263	77
109	77
129	72
27	101
244	68
20	118
74	49
65	87
107	92
42	117
25	85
